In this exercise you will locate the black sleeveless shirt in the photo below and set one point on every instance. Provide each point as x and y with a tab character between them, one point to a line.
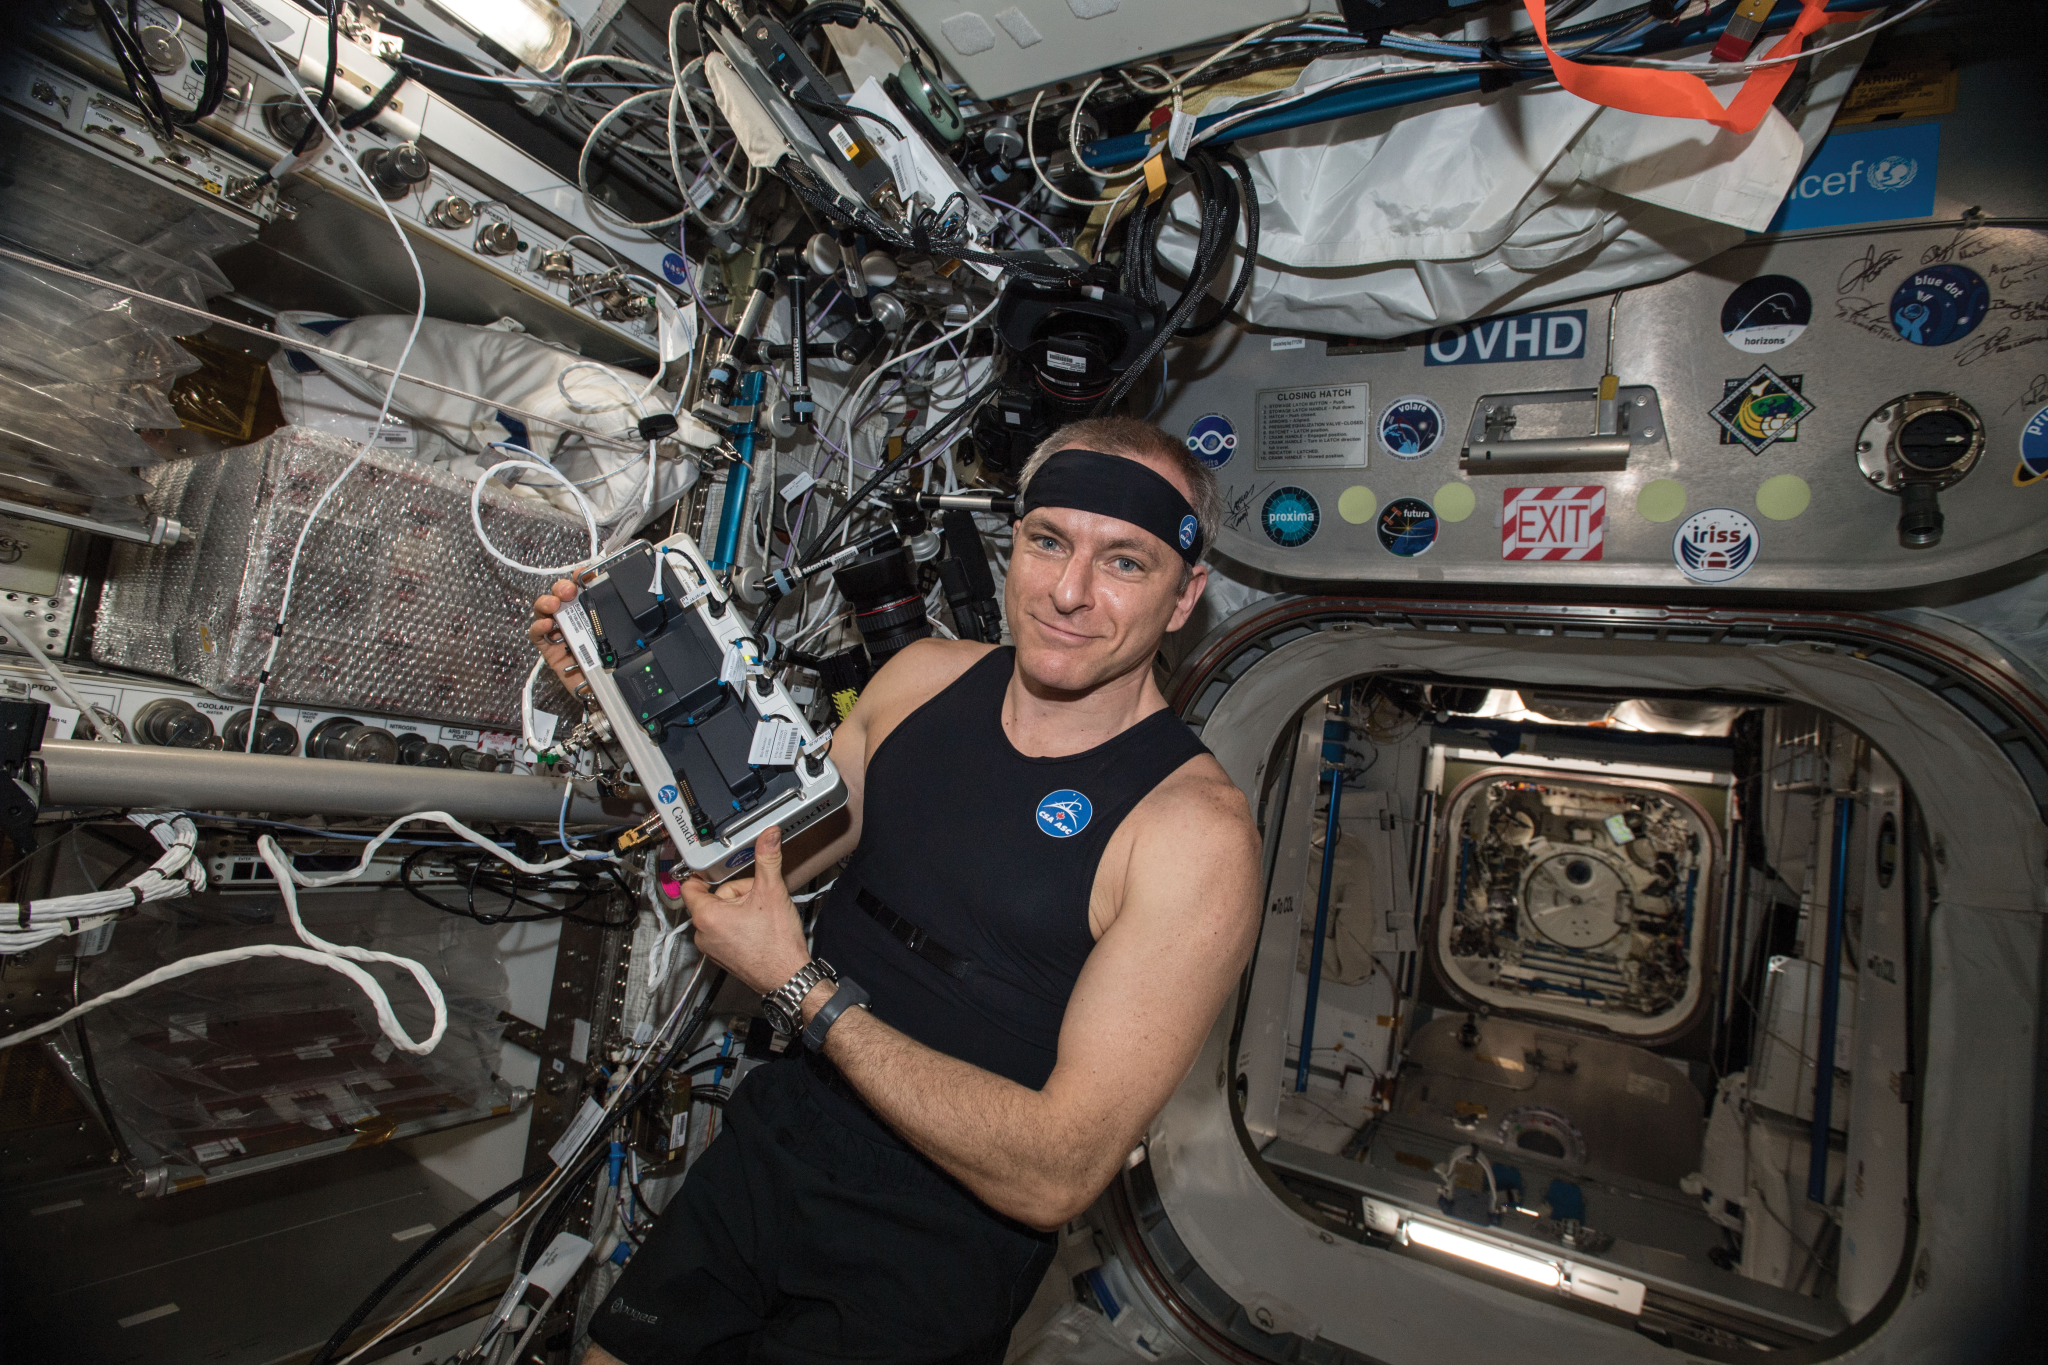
993	855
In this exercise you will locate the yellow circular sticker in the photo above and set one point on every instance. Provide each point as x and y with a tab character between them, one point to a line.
1356	504
1783	497
1661	500
1454	502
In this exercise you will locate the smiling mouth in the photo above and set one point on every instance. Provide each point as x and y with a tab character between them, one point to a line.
1059	632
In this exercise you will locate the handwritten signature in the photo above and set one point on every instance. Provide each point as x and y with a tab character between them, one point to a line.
2037	392
1998	343
1868	314
1961	247
1865	268
2020	310
1238	509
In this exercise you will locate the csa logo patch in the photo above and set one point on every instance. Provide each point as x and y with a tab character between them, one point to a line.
1064	813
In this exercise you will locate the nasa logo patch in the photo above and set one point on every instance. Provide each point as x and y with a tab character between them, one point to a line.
675	269
1189	529
1715	546
667	796
1411	427
2033	451
1213	440
1290	517
741	858
1064	813
1940	304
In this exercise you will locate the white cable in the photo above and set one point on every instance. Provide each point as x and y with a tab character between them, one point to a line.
583	163
1743	68
476	517
101	732
526	711
419	316
178	872
851	404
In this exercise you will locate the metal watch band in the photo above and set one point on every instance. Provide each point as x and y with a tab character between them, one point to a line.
845	998
784	1005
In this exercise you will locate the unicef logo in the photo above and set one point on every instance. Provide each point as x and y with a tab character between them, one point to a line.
667	796
1290	517
1212	440
1189	529
1892	172
1064	814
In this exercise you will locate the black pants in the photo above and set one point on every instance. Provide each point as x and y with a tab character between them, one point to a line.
806	1233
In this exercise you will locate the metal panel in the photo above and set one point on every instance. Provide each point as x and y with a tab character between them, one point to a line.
1848	362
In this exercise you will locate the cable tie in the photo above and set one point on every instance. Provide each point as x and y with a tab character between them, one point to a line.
22	920
72	920
136	893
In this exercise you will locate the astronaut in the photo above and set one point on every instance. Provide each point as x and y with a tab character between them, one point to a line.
1052	888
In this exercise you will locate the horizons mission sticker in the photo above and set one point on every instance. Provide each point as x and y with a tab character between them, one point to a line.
1758	412
1715	546
1766	313
1411	427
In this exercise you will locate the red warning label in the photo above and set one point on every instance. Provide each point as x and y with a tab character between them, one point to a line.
1553	523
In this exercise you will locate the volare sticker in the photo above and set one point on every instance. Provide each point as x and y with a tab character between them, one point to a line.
2033	464
1553	524
1212	439
1491	341
1407	527
1411	427
1715	546
1290	517
1940	304
1870	175
1766	313
1762	410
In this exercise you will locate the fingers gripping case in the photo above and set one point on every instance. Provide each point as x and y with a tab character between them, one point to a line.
716	741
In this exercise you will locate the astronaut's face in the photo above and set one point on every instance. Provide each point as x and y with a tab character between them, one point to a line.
1089	597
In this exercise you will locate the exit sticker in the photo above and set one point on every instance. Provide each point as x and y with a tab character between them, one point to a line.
1553	523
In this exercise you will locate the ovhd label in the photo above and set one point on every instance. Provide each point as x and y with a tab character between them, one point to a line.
1411	427
1492	341
1553	523
1715	546
1213	440
1940	304
1290	517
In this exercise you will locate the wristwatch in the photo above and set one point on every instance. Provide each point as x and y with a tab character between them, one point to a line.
784	1005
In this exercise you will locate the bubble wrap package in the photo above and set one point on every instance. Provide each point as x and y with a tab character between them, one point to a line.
397	608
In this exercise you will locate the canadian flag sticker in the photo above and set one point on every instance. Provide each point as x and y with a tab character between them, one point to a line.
1553	523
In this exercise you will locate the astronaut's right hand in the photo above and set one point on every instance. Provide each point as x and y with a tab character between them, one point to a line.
548	640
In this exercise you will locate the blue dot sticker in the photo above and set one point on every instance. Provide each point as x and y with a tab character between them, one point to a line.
1940	304
667	796
1290	517
1189	529
1213	440
2033	464
1064	813
1411	427
675	269
1407	527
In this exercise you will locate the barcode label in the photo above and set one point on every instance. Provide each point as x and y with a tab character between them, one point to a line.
843	140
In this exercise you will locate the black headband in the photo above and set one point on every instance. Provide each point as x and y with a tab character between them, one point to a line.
1115	486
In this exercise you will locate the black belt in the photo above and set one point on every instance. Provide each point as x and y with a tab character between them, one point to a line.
913	937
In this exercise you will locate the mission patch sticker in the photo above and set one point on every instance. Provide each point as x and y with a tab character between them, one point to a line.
1766	313
1411	427
1213	440
1940	304
1715	546
1758	412
2033	463
1407	527
1553	523
1290	517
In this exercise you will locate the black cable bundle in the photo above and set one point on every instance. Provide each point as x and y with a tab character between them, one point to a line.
481	872
141	81
1223	185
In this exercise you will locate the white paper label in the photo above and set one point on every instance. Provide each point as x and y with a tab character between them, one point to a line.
393	434
558	1263
579	1041
678	329
740	660
1320	426
256	19
63	722
776	744
1072	364
544	723
798	486
1289	343
1178	133
701	189
579	1132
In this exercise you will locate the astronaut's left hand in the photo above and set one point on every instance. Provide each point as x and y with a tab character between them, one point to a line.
749	925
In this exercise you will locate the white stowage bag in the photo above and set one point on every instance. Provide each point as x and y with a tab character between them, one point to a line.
1405	219
504	364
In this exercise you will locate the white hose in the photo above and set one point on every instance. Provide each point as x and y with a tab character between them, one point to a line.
476	517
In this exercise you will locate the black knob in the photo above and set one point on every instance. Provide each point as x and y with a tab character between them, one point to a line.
858	344
472	760
396	171
1920	517
349	740
273	736
173	724
417	751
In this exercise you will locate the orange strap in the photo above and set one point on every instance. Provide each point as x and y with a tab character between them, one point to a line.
1674	94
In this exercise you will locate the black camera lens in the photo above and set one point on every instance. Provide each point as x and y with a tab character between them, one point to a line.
888	608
